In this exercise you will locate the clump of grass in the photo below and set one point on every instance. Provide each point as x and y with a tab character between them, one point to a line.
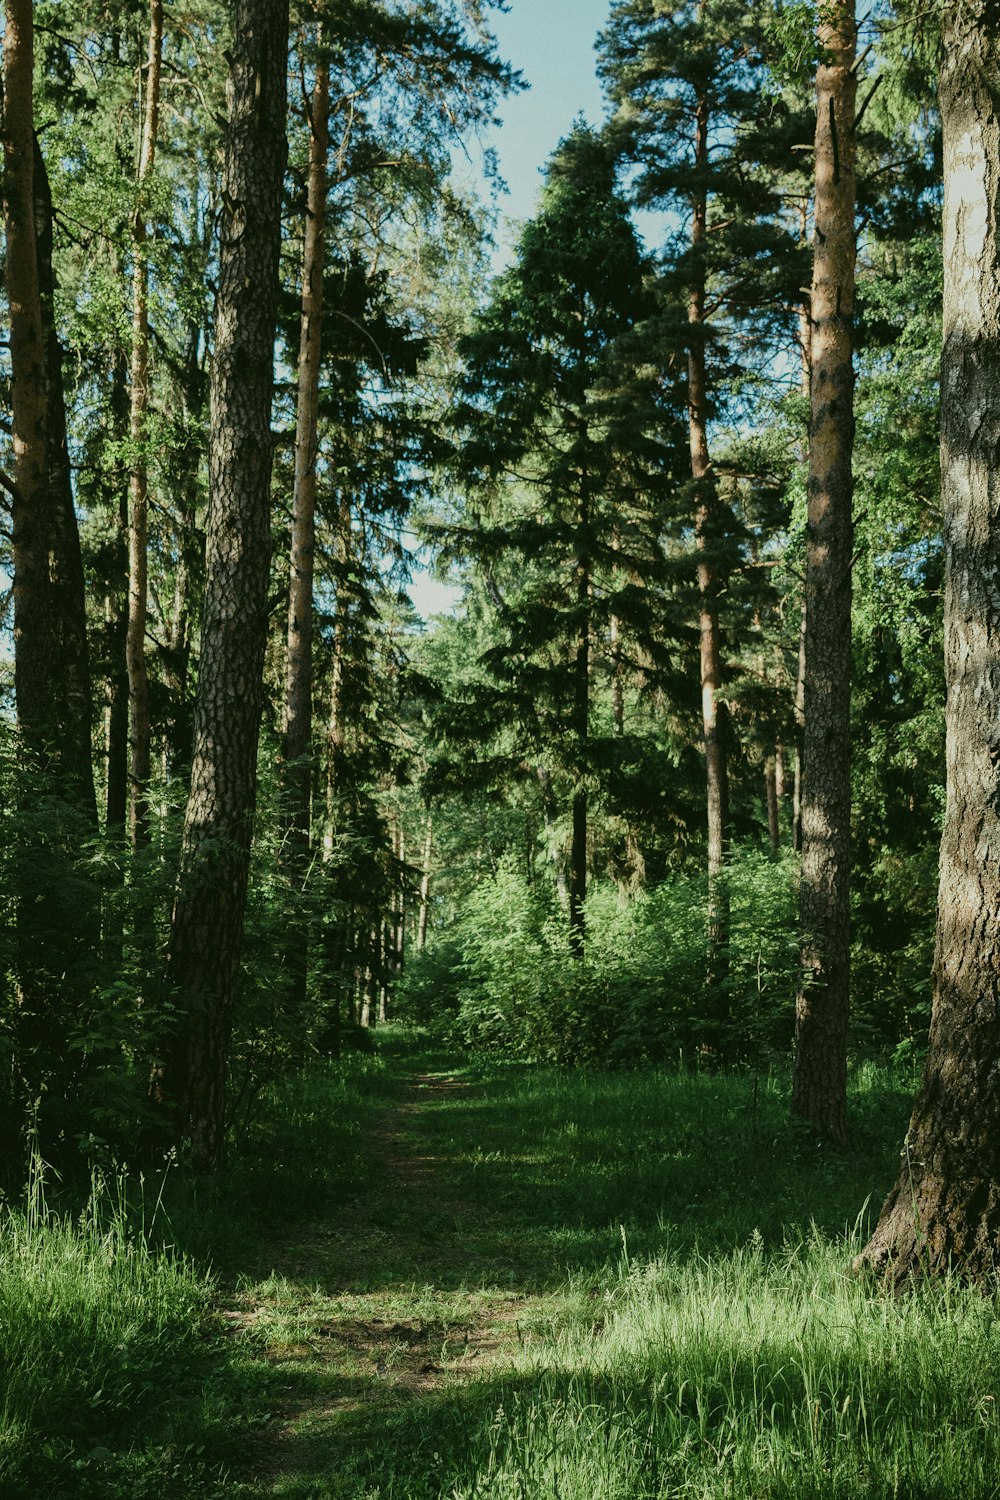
101	1352
751	1375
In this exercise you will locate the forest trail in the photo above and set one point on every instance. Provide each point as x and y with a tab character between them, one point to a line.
402	1292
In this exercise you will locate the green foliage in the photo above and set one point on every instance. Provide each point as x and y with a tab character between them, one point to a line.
101	1352
503	977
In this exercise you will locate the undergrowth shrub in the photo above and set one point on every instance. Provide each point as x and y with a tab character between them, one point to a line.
503	977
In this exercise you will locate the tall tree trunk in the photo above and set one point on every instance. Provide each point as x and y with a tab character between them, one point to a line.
771	795
617	678
138	529
33	634
67	588
708	525
581	731
425	884
116	615
800	729
806	350
299	663
819	1091
207	924
945	1207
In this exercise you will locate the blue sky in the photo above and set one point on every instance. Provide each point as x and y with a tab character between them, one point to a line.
550	42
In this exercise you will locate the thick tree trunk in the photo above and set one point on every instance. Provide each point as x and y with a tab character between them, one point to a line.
945	1207
33	633
299	663
207	926
138	529
66	580
823	1004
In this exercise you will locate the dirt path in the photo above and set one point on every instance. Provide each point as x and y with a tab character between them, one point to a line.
382	1303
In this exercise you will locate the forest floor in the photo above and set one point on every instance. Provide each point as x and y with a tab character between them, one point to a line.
430	1277
476	1311
403	1292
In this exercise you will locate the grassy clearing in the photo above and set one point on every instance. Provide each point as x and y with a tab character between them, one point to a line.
500	1283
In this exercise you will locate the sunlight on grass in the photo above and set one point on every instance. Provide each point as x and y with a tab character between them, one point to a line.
755	1375
533	1286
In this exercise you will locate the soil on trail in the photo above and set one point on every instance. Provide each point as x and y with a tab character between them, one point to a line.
388	1299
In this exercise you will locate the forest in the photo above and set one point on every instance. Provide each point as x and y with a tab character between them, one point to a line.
543	1049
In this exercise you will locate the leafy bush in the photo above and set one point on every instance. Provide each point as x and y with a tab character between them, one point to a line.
504	977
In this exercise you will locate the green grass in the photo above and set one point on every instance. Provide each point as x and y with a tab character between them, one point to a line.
103	1355
517	1285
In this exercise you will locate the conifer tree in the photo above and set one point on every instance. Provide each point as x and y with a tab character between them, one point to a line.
207	923
944	1211
686	81
565	421
819	1091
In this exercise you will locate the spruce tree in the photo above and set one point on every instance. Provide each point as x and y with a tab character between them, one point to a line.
566	424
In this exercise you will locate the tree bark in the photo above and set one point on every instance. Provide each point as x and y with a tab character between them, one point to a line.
116	619
800	729
33	633
707	528
819	1091
66	579
581	731
945	1208
210	901
771	794
299	662
425	884
138	529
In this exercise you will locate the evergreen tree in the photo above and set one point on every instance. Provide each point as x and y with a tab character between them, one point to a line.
819	1090
944	1211
566	422
688	82
207	922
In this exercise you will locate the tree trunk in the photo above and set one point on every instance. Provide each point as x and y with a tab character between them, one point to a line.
116	619
617	678
210	901
299	664
819	1091
425	884
800	729
66	580
945	1207
771	794
33	634
138	529
708	525
581	730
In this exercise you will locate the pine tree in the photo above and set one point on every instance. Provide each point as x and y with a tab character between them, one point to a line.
944	1211
687	80
819	1090
207	923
